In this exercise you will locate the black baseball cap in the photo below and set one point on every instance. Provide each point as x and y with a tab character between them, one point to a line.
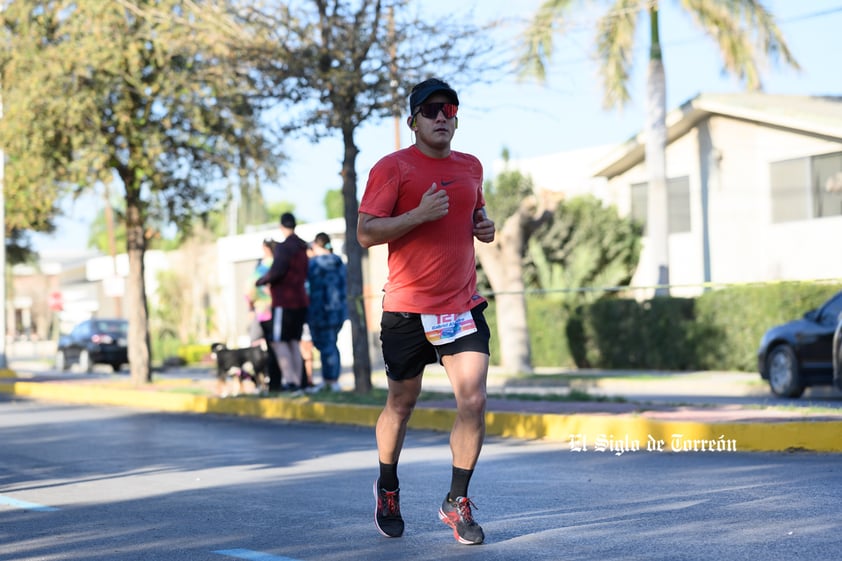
425	89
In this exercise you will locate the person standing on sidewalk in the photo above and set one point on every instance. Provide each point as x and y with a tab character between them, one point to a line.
287	279
328	309
426	203
259	300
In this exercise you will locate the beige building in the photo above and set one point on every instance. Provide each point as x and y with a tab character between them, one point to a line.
754	188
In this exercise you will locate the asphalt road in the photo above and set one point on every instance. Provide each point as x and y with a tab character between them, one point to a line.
96	484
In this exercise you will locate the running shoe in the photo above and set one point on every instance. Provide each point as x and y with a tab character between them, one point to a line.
457	514
387	511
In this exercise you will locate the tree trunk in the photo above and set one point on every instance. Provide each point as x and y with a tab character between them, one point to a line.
139	355
657	215
356	303
502	262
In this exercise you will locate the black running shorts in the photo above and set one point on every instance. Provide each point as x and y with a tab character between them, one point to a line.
406	350
287	324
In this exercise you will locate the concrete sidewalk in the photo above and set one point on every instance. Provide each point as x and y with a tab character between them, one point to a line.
611	425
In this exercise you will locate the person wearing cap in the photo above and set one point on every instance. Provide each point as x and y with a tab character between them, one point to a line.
426	203
287	279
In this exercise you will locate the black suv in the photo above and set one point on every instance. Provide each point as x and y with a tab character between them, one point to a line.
94	341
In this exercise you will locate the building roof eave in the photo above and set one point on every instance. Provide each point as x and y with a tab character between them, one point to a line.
632	152
820	116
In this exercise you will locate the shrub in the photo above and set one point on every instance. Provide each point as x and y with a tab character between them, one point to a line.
719	330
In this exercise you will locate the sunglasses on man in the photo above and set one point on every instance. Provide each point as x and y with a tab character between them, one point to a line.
431	110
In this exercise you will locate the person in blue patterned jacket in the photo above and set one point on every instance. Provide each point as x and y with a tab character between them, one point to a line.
326	278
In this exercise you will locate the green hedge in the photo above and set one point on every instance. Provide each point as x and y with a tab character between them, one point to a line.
167	347
740	316
194	353
719	330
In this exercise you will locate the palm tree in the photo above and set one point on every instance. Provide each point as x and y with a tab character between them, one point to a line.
744	31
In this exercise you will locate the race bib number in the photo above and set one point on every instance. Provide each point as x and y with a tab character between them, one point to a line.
441	329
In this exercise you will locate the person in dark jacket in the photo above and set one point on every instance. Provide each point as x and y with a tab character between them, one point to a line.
287	279
328	309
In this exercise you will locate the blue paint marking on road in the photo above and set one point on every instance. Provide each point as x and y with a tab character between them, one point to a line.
251	555
4	500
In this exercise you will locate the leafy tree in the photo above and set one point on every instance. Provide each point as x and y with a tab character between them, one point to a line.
18	248
340	64
517	212
112	239
586	244
333	204
147	91
29	205
549	244
744	31
277	208
99	237
251	210
181	311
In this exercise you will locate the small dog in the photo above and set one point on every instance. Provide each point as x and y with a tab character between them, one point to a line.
247	363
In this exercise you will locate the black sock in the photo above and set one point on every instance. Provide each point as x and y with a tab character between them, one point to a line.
459	483
388	477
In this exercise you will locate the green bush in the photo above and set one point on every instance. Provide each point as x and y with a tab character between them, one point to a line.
550	345
719	330
163	346
195	353
740	316
168	346
624	333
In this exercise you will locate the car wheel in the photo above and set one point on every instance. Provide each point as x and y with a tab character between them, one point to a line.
85	361
784	378
116	366
61	362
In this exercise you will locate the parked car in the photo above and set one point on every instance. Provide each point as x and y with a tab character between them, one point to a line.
837	355
94	341
799	353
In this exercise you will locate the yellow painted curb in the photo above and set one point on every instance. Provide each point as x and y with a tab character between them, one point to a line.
620	433
616	434
6	373
268	408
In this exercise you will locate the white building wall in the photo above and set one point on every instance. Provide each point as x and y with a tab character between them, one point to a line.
739	202
744	244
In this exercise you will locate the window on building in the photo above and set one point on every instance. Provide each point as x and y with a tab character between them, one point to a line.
790	199
678	202
639	203
827	179
806	188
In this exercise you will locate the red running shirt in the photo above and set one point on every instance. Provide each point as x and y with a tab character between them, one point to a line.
431	268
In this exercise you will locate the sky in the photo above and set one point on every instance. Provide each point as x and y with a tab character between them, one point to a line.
564	114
